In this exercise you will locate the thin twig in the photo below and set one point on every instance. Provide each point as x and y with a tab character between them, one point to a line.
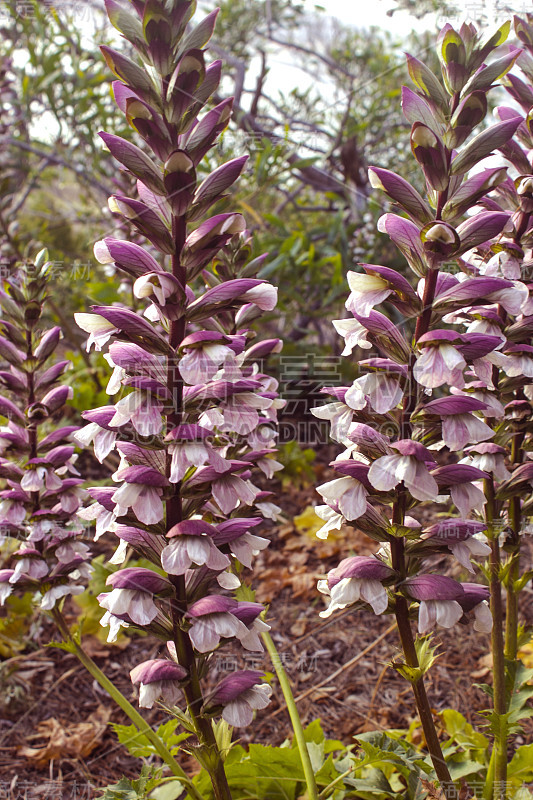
349	664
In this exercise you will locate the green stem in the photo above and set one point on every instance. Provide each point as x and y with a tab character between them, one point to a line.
130	711
411	659
312	790
515	521
511	619
497	774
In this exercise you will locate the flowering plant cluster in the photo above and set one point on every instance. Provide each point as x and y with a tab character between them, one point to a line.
39	527
440	412
195	414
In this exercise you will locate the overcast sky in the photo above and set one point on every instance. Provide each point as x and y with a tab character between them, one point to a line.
365	13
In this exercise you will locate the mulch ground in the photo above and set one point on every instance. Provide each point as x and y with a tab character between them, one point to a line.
338	667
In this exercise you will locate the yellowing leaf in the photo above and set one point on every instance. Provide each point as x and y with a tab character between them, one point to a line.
308	523
525	654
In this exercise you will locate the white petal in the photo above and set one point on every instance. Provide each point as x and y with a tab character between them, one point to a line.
149	693
204	636
373	593
227	580
382	473
483	618
448	612
462	554
427	616
238	713
175	558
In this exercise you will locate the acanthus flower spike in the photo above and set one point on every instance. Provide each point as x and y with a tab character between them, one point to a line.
426	379
188	426
43	492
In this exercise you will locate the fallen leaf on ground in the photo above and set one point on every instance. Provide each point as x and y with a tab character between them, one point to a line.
72	741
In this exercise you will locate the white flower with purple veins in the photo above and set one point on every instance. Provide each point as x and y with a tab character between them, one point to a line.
160	285
519	362
118	375
157	678
409	466
459	480
212	619
347	494
439	598
12	508
489	323
475	598
482	351
50	598
339	415
98	432
112	622
189	447
493	407
142	409
261	459
367	291
267	508
462	537
68	550
103	511
243	545
488	457
192	543
381	389
241	693
264	436
30	564
354	335
459	425
71	496
45	528
504	265
249	614
141	491
99	329
439	362
357	579
241	412
229	490
133	593
204	352
40	476
12	435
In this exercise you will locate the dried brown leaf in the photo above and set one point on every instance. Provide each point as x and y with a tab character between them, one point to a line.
72	741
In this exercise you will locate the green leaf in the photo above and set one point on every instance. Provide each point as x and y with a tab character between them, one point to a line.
314	733
301	163
460	769
139	746
520	768
170	790
127	789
